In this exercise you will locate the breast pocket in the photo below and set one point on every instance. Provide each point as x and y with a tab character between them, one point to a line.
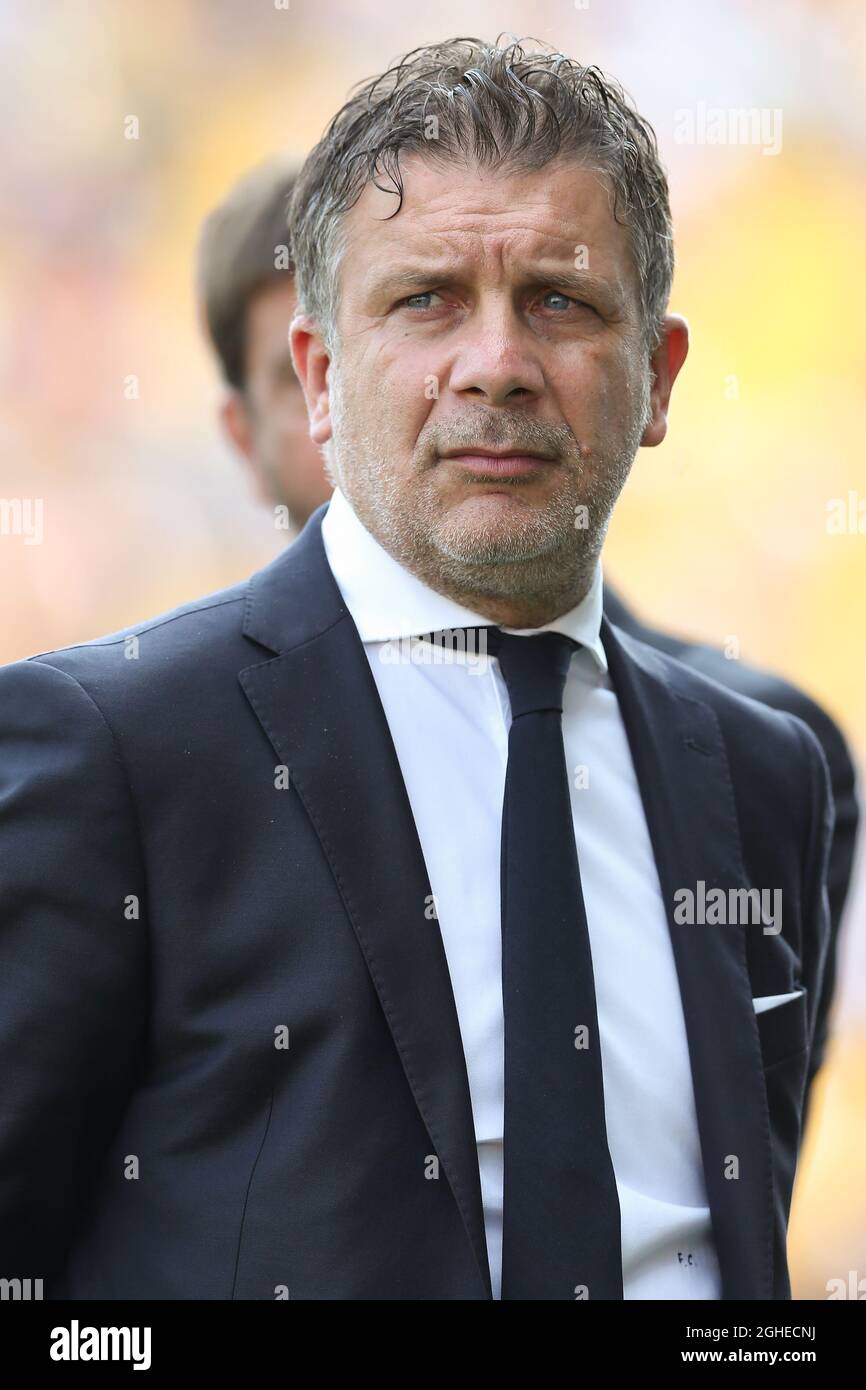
782	1026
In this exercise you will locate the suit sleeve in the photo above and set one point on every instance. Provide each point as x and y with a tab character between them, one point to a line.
73	964
843	781
819	937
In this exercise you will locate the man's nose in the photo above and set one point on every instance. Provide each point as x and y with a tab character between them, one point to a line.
497	359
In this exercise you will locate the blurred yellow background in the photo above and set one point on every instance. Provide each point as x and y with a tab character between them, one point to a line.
721	533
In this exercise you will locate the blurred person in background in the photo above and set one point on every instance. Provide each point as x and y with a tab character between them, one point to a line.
248	299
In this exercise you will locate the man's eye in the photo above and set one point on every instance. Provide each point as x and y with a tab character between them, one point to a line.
566	301
411	300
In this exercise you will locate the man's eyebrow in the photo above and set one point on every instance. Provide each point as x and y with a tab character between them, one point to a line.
408	278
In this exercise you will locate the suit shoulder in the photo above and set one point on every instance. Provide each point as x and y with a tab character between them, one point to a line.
768	688
747	721
176	636
777	766
140	678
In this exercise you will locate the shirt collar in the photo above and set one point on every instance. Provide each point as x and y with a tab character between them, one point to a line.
387	601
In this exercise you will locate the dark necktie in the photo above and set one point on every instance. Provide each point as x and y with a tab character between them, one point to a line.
561	1216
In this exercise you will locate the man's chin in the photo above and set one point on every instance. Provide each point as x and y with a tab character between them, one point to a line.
491	509
499	527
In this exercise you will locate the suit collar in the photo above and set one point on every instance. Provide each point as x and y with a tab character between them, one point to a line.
295	597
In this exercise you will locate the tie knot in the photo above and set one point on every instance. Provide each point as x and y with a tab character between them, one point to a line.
534	668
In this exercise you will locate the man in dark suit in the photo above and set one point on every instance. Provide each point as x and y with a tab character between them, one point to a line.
256	1041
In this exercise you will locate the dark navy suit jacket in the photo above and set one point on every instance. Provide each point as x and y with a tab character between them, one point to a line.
172	910
773	690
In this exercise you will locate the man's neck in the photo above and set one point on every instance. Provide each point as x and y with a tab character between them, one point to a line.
524	610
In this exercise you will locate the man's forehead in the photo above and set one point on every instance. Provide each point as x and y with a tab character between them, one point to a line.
552	211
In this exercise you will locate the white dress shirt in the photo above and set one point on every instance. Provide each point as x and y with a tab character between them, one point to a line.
449	722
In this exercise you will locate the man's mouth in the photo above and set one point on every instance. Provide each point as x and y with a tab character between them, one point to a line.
495	463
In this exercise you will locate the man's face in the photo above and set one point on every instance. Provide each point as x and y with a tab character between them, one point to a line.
492	313
270	423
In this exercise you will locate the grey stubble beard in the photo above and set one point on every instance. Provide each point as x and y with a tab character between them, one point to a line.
542	562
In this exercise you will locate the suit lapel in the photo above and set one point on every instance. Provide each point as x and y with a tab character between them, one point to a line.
682	770
318	703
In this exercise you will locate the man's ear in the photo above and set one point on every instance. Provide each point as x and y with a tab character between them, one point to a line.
311	362
665	363
235	420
